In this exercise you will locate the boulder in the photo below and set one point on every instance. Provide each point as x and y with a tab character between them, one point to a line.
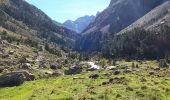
42	64
15	78
112	68
116	72
11	52
26	66
127	70
53	67
94	76
156	68
73	70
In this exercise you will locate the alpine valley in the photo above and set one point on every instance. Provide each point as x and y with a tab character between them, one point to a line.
122	53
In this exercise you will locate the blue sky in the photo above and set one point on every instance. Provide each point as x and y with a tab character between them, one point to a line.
61	10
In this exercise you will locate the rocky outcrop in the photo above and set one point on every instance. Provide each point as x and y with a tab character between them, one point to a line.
15	78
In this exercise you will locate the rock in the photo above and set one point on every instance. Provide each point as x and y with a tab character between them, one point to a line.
107	74
116	72
93	66
5	71
26	66
118	78
42	64
73	70
55	74
28	76
156	68
111	80
105	83
112	68
1	69
94	76
5	56
151	73
91	69
15	78
127	70
53	67
11	52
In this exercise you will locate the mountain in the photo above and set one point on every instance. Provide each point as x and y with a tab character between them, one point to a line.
32	46
120	14
22	17
152	20
57	23
117	16
79	24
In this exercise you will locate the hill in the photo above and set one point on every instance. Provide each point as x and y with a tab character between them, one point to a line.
18	15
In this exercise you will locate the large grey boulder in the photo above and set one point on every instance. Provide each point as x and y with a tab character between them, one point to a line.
15	78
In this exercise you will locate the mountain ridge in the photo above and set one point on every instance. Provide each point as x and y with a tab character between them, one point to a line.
79	24
119	15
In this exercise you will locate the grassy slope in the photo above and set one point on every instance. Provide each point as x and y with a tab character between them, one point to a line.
68	88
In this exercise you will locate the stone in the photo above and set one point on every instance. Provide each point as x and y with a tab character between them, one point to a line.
112	68
127	70
94	76
15	78
156	68
26	66
53	67
111	80
105	83
73	70
11	52
151	73
107	74
116	72
42	64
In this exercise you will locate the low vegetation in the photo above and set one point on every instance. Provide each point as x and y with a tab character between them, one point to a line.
143	84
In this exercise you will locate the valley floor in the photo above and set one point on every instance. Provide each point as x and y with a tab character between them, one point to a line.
144	83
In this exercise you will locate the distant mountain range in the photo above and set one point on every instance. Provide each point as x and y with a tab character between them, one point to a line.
117	16
79	24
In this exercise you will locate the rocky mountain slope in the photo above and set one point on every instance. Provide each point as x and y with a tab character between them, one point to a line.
119	15
18	15
79	24
32	46
152	20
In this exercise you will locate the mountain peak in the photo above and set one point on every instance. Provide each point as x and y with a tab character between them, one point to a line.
79	24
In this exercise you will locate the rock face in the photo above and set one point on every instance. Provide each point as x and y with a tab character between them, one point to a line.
15	78
79	24
119	15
